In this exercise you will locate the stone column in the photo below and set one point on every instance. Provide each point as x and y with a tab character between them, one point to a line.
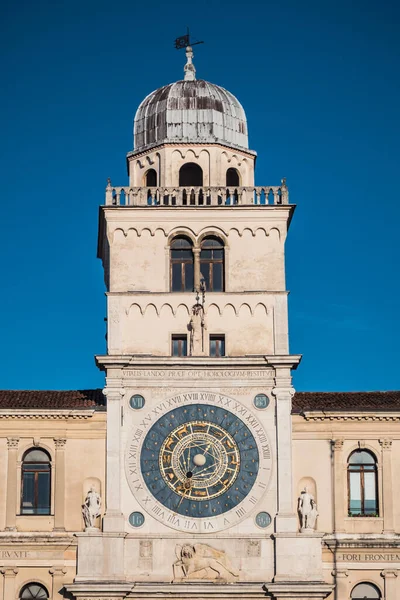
391	585
387	486
59	488
58	582
339	485
9	574
286	520
341	581
113	520
196	267
12	492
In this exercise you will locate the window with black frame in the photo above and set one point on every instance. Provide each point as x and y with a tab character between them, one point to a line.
362	484
34	591
217	345
212	264
182	265
365	591
179	345
36	483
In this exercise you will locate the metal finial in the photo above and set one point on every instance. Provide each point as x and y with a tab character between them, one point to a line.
189	69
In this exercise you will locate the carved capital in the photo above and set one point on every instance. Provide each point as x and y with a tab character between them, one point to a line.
113	394
386	444
340	573
60	443
12	443
58	571
389	574
283	393
9	571
337	445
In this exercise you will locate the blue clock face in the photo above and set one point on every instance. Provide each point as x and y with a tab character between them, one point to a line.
199	460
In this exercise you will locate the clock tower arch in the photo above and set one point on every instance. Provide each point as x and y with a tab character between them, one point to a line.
199	486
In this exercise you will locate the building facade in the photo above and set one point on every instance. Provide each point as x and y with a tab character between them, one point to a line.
198	472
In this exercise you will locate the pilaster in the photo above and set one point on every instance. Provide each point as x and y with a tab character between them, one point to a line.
387	487
57	574
391	584
339	485
59	495
341	578
9	575
11	501
286	519
113	520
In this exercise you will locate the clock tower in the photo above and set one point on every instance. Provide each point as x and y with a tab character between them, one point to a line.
199	497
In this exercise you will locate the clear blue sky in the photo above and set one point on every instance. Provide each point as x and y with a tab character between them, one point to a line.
320	85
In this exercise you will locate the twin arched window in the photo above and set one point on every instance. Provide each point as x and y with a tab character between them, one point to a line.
34	591
185	270
365	591
36	483
362	484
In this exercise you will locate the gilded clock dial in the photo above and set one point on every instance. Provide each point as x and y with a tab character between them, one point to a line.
199	460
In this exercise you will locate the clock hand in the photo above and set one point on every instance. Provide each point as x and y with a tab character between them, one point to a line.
187	489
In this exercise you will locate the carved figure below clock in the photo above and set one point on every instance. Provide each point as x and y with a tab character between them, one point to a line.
199	467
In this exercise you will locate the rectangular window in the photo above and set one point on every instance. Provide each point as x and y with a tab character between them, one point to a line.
179	345
217	345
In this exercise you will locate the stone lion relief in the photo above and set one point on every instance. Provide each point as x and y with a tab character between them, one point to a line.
201	561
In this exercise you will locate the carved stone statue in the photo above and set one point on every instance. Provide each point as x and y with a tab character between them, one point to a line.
91	509
307	509
197	328
201	561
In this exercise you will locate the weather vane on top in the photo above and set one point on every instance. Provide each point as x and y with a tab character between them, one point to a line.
184	41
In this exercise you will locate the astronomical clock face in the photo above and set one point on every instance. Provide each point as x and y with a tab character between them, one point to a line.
201	466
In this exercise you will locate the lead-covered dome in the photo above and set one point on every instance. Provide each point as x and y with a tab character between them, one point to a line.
193	111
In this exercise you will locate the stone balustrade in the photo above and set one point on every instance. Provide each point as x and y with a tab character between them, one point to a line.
196	196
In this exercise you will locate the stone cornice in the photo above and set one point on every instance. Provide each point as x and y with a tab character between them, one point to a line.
35	414
349	416
355	541
236	362
134	154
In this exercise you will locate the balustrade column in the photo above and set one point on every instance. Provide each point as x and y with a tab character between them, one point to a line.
387	487
12	492
338	485
58	582
9	575
391	584
113	520
59	488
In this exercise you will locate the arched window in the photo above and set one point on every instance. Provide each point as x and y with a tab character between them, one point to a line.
34	591
365	591
362	484
182	267
190	174
151	178
36	474
232	178
212	264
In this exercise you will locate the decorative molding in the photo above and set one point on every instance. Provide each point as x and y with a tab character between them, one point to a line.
46	414
12	443
349	416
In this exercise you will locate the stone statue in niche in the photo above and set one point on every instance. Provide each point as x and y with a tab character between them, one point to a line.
91	508
201	561
307	509
197	328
